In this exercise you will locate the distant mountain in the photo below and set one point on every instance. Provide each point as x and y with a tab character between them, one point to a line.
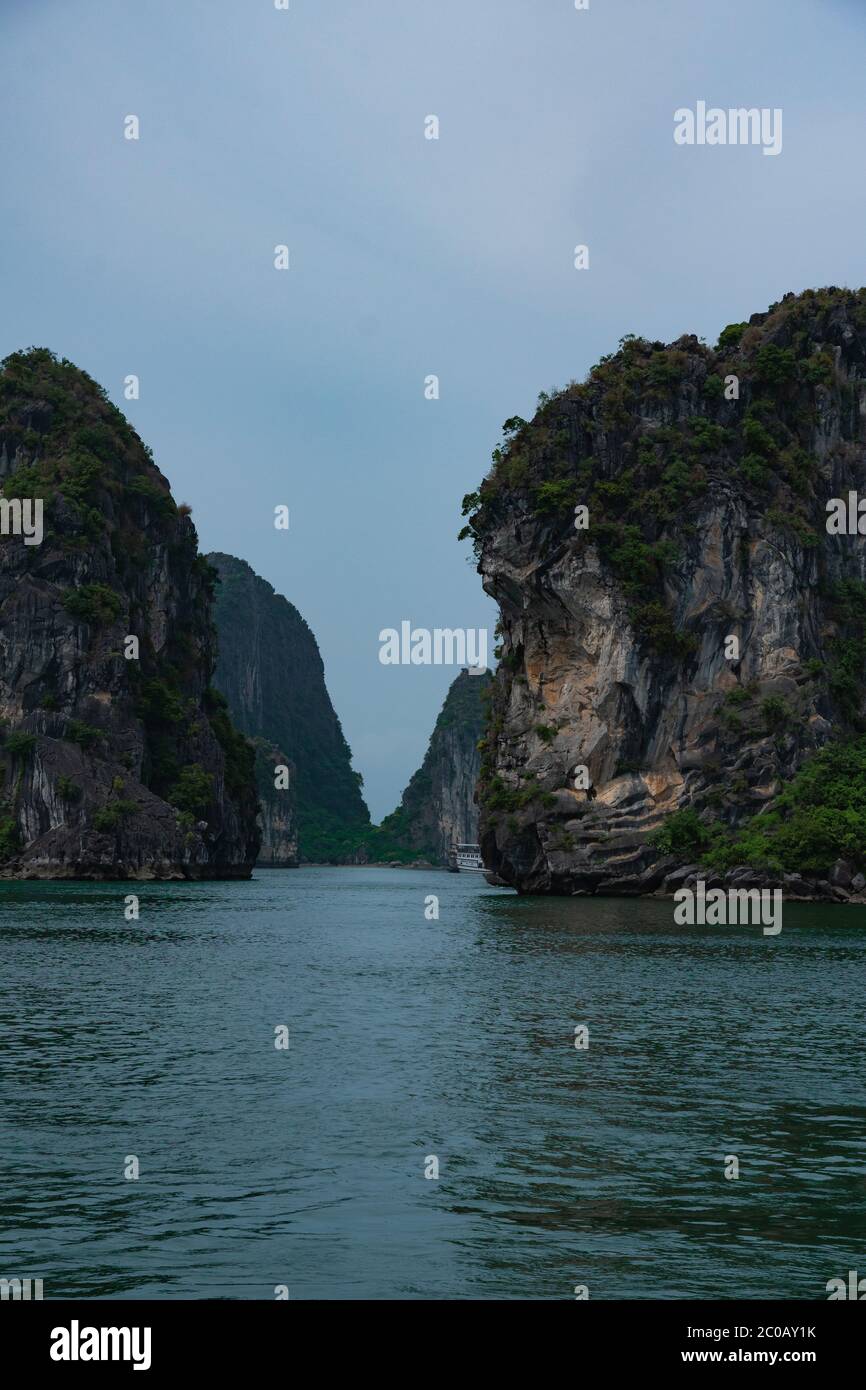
278	815
438	807
270	671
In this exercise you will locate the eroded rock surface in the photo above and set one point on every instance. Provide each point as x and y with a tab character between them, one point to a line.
707	521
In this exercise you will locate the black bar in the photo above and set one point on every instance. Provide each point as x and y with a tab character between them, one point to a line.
221	1337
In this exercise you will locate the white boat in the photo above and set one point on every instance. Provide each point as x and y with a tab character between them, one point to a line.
467	858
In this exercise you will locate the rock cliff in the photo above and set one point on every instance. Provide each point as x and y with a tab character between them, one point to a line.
275	778
439	807
697	634
270	672
117	758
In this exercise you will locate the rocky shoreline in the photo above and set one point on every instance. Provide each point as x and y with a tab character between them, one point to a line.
844	885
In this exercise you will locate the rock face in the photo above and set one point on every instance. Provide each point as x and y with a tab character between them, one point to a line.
277	809
271	674
438	808
703	635
117	759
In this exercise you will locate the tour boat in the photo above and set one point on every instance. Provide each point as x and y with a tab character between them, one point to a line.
468	858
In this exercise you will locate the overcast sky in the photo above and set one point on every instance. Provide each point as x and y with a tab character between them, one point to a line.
408	256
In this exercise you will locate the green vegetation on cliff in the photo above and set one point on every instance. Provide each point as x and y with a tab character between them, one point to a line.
641	441
819	817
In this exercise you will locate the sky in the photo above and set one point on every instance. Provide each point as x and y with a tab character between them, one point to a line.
408	256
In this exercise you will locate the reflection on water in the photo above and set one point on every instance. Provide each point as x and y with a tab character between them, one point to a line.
412	1038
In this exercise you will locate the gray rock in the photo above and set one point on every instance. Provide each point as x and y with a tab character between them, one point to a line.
752	878
573	658
795	886
841	874
673	880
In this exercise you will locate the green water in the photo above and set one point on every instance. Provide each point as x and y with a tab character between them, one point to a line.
413	1038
